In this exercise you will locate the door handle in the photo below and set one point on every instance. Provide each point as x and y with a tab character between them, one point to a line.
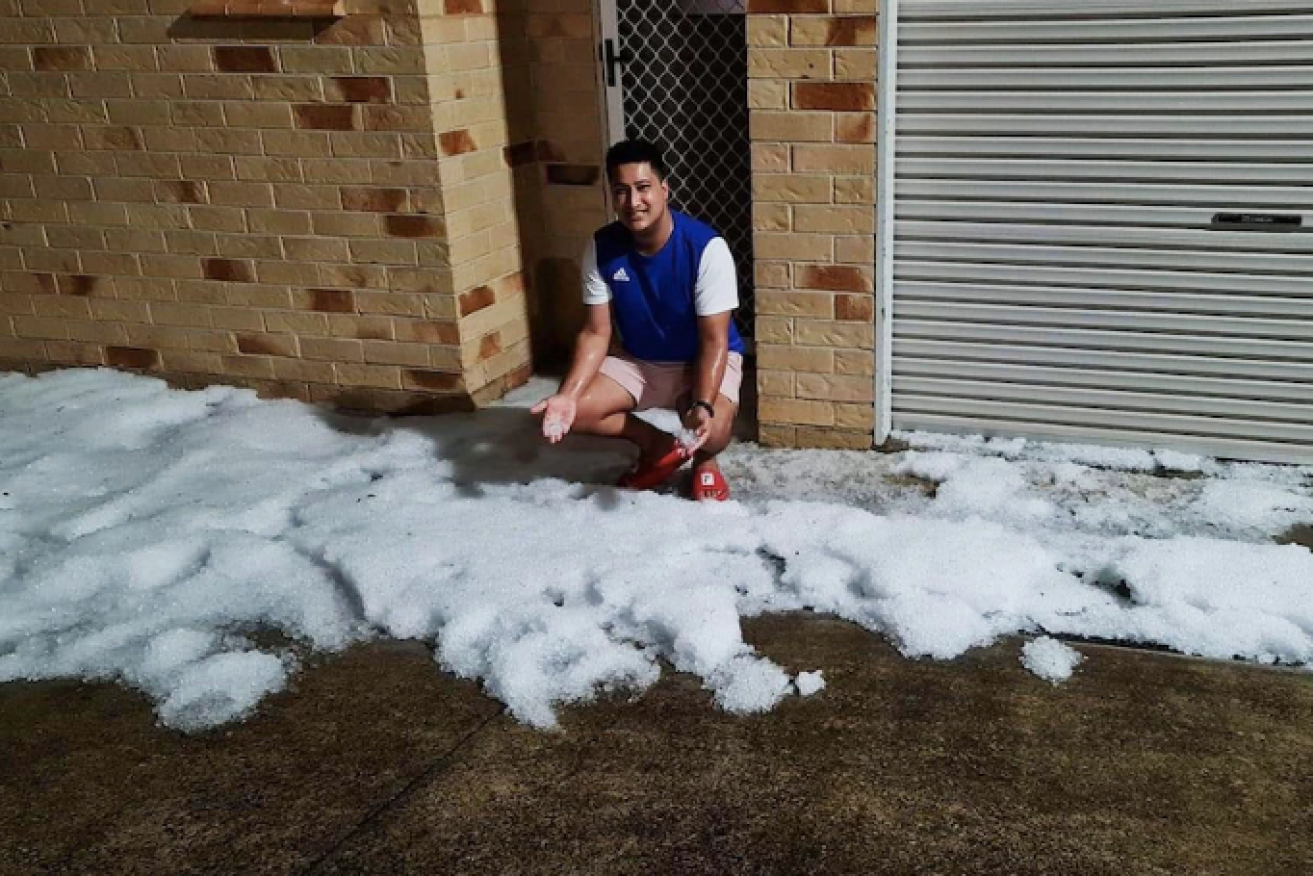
1257	221
611	59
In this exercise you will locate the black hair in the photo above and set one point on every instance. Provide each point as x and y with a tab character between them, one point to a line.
635	152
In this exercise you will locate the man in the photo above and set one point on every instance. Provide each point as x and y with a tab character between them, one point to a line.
667	282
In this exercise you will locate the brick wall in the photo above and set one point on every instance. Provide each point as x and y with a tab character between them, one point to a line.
313	206
811	93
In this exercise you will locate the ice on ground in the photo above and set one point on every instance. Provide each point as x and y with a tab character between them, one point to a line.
809	683
156	537
1050	659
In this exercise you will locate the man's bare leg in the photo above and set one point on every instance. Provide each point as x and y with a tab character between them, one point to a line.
606	410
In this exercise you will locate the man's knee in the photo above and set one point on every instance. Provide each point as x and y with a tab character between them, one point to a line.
602	399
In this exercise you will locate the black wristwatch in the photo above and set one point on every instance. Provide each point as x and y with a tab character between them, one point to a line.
711	412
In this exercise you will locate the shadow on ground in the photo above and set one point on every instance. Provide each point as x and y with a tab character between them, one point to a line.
378	763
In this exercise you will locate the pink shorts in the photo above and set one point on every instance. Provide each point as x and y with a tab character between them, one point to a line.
660	384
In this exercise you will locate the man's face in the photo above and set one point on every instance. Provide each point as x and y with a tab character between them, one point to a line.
638	196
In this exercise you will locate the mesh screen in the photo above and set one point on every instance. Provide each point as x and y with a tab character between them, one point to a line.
685	86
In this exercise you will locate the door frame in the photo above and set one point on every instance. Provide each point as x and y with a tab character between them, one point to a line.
886	132
611	96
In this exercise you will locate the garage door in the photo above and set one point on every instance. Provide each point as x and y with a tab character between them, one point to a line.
1102	217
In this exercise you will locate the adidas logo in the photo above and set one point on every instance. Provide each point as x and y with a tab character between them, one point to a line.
620	275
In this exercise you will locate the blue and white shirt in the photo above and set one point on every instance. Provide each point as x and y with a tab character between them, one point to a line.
657	299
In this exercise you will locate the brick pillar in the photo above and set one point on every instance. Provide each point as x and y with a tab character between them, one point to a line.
811	94
466	56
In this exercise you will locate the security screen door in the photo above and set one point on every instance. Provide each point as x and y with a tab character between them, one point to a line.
676	73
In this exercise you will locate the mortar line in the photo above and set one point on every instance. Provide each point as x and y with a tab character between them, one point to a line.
406	790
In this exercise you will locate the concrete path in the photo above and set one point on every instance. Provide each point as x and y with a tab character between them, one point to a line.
378	763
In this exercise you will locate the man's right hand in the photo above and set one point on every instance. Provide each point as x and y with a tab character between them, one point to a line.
558	413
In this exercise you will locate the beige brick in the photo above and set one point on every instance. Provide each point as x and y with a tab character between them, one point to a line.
333	349
776	384
817	305
791	126
796	411
774	330
297	322
319	60
768	31
279	222
833	220
120	311
859	64
854	362
216	86
768	94
356	374
839	30
169	313
786	358
789	64
238	319
227	219
241	194
280	271
389	303
854	190
260	344
855	250
61	307
793	188
368	328
835	160
316	249
383	252
392	353
99	332
768	275
248	366
794	247
22	349
854	416
354	276
189	362
300	369
73	353
833	438
848	335
777	435
346	225
249	114
771	217
254	295
298	89
201	292
835	387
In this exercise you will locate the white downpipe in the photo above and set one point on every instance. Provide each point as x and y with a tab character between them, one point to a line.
886	89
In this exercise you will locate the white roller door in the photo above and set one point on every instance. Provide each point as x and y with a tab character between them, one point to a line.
1103	222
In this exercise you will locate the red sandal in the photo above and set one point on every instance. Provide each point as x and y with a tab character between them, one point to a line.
655	472
708	486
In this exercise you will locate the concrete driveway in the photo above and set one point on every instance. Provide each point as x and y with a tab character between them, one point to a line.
379	763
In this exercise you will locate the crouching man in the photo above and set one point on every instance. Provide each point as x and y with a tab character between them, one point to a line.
667	283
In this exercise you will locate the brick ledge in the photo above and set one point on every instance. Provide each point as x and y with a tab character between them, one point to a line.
268	9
